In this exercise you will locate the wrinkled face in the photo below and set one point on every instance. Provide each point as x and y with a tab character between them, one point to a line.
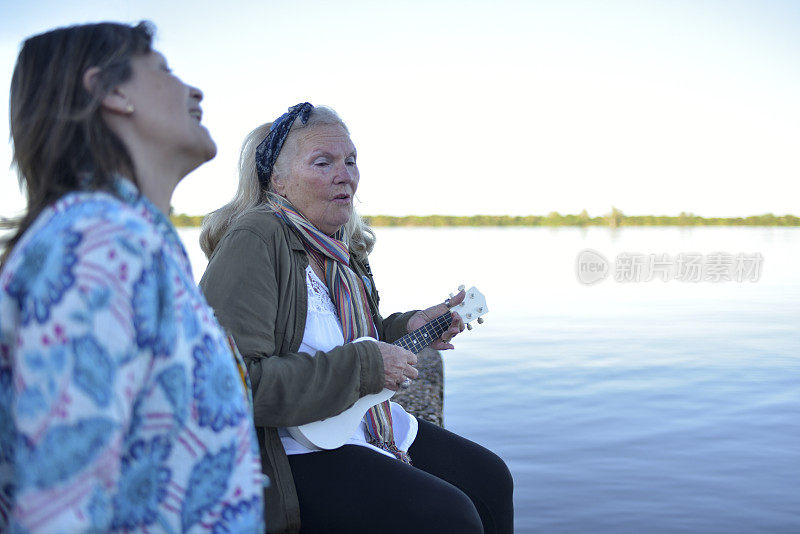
167	112
322	176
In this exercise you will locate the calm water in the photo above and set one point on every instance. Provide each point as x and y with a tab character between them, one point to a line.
619	407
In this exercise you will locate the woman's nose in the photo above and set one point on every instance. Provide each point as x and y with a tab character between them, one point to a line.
346	173
195	93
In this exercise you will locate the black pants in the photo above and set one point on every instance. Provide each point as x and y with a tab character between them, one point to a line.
454	485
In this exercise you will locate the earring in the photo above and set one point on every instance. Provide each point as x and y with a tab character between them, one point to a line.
129	109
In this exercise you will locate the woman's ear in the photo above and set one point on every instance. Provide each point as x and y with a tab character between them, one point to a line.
114	101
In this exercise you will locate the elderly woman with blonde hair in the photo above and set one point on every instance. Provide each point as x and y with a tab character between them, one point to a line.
288	275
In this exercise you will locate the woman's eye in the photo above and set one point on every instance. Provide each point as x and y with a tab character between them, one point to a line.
321	163
350	162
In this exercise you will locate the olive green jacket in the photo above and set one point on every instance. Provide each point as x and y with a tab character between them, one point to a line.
256	283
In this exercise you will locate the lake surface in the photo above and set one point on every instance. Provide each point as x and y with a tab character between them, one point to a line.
620	407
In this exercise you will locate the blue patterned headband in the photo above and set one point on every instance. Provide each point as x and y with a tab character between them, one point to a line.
267	152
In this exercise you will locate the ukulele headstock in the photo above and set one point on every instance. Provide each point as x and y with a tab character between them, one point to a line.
472	308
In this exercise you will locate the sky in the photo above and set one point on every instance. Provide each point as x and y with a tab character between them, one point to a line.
508	107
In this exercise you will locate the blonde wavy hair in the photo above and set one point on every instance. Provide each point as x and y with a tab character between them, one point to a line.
250	196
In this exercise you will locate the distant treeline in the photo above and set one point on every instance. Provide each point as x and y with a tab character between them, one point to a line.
181	219
614	219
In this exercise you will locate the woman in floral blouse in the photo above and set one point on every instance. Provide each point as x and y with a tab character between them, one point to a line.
121	403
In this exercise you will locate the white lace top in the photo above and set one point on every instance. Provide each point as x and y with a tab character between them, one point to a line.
323	332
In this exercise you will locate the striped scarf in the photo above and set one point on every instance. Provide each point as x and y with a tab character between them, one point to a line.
350	298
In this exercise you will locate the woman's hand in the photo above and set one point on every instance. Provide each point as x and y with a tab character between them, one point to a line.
397	365
425	316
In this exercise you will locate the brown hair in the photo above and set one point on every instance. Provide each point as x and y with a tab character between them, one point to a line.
60	141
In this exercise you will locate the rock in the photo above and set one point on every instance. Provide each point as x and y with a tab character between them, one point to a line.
425	397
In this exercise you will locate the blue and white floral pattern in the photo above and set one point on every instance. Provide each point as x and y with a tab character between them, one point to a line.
173	381
154	309
7	431
216	388
62	452
143	484
35	398
93	370
121	407
99	510
209	479
241	517
45	274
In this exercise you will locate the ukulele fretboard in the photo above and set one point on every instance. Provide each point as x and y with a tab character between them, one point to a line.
425	334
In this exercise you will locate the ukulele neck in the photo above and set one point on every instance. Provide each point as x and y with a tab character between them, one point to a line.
425	335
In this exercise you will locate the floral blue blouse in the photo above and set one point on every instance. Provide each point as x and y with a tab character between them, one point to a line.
121	406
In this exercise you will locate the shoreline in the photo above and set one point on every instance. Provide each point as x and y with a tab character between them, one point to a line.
424	398
615	219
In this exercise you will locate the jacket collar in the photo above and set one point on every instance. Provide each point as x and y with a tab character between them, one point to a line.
295	243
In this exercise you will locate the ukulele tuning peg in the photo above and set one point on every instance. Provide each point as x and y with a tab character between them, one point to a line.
451	295
480	320
469	326
461	287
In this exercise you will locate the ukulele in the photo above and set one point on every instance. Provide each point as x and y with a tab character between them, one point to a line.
335	431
